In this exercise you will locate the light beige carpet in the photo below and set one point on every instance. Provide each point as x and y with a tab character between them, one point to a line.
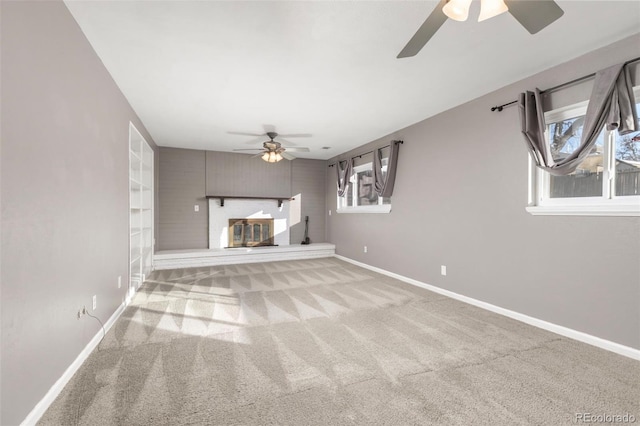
323	342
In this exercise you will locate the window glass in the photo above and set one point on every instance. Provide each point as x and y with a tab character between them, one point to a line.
564	136
366	192
586	181
349	194
237	234
628	163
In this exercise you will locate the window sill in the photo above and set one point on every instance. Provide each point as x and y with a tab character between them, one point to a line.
385	208
586	210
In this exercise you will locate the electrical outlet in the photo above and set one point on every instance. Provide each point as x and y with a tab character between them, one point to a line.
443	270
119	281
95	301
196	208
365	249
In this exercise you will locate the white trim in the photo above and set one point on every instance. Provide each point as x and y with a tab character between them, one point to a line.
554	328
374	208
586	210
41	407
567	112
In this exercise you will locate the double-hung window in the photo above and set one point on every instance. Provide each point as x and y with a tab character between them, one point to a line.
606	183
361	196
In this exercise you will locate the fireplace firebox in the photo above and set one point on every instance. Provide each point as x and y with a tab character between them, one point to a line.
250	232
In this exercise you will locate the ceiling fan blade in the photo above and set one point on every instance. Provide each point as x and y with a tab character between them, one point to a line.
534	15
297	149
245	134
295	135
250	149
425	32
287	142
287	156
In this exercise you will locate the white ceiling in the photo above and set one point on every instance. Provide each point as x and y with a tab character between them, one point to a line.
196	70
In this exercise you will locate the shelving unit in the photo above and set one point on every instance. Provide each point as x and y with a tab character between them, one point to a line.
141	209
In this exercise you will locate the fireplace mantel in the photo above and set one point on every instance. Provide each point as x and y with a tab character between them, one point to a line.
223	197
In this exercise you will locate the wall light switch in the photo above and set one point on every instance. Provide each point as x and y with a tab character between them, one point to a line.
329	212
365	249
196	208
443	270
95	302
119	281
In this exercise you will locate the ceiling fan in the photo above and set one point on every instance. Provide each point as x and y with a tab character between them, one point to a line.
533	15
273	151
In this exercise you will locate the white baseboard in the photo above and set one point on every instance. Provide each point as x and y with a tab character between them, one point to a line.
554	328
57	387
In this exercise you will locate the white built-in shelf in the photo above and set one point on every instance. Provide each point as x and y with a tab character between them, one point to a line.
140	207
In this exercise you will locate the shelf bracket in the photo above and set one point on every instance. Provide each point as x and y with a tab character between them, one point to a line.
221	202
279	203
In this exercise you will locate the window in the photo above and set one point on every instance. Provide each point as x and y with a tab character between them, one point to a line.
361	196
606	183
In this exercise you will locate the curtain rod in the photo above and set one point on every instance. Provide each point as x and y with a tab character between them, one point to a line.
560	86
368	152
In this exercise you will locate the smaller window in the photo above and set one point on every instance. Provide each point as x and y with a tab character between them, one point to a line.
606	183
361	197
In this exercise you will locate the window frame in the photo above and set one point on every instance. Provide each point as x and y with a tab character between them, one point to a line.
608	204
372	208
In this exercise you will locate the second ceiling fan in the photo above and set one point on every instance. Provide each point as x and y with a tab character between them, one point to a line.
533	15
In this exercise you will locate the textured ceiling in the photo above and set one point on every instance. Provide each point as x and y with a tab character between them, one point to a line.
196	72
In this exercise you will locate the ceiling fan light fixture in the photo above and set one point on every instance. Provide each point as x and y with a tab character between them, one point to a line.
458	10
278	157
265	157
491	8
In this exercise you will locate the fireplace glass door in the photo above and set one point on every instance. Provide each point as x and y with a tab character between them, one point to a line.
250	232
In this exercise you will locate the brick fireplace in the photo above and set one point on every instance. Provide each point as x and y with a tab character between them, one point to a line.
222	220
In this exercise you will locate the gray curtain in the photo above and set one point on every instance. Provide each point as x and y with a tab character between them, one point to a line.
611	103
344	174
384	184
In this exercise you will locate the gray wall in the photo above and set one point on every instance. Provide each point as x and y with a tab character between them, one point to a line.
65	198
187	176
181	186
247	175
459	201
308	181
